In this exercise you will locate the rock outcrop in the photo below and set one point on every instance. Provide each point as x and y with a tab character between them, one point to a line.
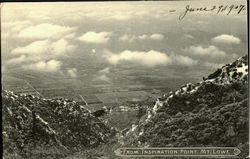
34	125
213	112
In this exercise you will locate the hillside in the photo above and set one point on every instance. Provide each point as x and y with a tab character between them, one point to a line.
213	112
35	127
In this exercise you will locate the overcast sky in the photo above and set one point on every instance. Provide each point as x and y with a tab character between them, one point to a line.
68	37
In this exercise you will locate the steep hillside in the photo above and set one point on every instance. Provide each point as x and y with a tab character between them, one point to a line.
213	112
34	127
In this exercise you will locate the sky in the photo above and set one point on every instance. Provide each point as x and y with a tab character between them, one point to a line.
68	38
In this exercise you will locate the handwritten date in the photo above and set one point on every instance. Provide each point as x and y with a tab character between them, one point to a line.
218	9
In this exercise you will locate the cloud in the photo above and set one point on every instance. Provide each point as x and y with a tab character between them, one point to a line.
120	16
70	36
228	39
44	31
37	47
111	15
49	66
150	59
39	14
183	60
5	35
234	56
211	51
128	38
15	26
72	72
61	47
45	48
34	55
94	37
144	36
17	60
132	38
156	37
10	29
212	65
124	13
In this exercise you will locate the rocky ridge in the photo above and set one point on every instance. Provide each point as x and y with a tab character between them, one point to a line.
32	125
213	112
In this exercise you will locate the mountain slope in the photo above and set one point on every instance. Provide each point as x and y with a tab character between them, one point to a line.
43	128
213	112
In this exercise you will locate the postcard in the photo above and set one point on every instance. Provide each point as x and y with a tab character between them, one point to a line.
125	79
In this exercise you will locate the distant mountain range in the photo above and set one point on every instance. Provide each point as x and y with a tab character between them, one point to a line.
213	112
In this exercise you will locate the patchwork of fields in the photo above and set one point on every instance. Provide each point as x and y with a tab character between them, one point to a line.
93	93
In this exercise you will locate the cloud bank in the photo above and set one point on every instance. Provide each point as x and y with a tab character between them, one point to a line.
150	59
156	37
94	37
37	47
17	60
42	55
49	66
62	46
44	31
228	39
211	51
45	48
14	26
132	38
212	65
183	60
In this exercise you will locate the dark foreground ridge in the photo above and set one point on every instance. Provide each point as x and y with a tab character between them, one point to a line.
211	113
35	127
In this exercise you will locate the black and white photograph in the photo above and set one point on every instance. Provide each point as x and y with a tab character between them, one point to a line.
125	79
